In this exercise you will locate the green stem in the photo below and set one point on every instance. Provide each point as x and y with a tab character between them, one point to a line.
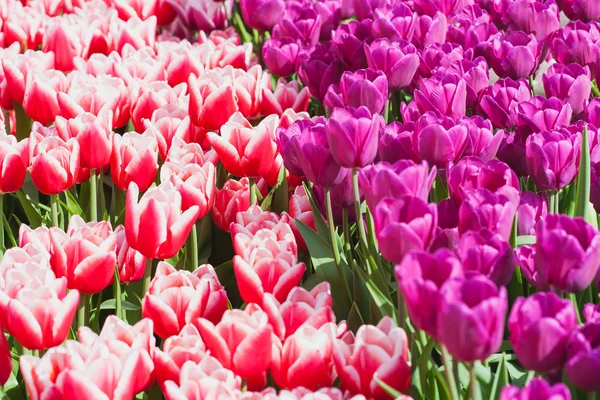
448	373
474	383
23	122
82	310
93	196
7	122
359	221
333	237
595	90
2	248
386	110
553	201
252	189
194	246
147	277
347	238
592	395
573	298
117	290
54	209
102	202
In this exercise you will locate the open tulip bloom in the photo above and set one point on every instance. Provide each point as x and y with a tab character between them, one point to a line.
300	200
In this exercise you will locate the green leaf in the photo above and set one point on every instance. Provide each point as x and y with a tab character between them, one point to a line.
355	320
72	205
501	378
266	204
384	303
387	388
204	238
281	198
322	228
525	240
227	279
9	232
34	218
111	304
583	178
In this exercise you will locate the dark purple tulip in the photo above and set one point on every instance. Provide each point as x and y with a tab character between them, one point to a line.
262	14
342	196
304	26
446	7
592	112
470	27
446	238
471	317
553	158
475	73
330	13
484	209
539	327
402	225
281	56
538	18
500	100
481	142
348	42
285	138
512	55
583	357
494	8
430	30
595	185
438	140
591	312
396	142
353	136
533	207
365	87
487	254
398	61
364	8
584	10
577	42
447	95
421	275
320	70
526	260
567	252
570	84
512	152
438	57
448	215
537	389
394	22
540	114
404	178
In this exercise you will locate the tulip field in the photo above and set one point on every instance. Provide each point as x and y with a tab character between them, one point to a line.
299	199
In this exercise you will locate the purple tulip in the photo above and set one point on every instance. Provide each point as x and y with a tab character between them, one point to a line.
569	83
591	312
364	8
496	9
281	56
205	15
262	14
303	25
512	55
475	74
430	30
446	238
448	216
431	7
484	209
396	142
394	22
577	42
353	135
402	225
330	13
538	18
526	260
533	207
592	112
487	254
447	95
584	10
438	57
540	114
365	87
320	70
583	357
398	61
500	100
567	252
471	317
481	142
539	327
553	158
342	196
470	27
421	275
537	389
595	185
512	152
438	140
404	178
348	42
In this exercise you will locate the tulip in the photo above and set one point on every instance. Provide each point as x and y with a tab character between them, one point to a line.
567	252
352	135
149	97
398	61
421	275
540	326
533	207
204	16
378	351
513	55
500	100
395	22
281	56
18	67
286	96
212	100
364	8
577	42
446	96
584	10
430	30
526	260
42	89
592	112
231	199
196	184
156	226
582	357
54	164
131	263
242	342
549	167
167	123
178	297
302	24
306	358
299	208
438	140
404	224
6	365
262	14
134	32
14	160
285	138
183	153
365	87
63	37
481	142
539	114
537	388
395	143
131	8
477	308
134	159
321	69
540	19
591	312
348	42
570	83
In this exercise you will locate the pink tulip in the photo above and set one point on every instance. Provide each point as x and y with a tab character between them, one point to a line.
40	89
134	159
40	238
167	123
130	263
5	359
134	32
231	199
285	96
54	164
197	184
156	226
212	98
184	153
176	298
299	208
63	37
14	160
151	97
18	67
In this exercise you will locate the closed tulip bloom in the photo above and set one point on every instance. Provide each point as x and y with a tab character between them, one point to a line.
242	341
539	114
168	123
540	19
14	160
567	252
402	178
306	358
577	42
18	67
232	198
364	8
281	56
395	22
63	37
584	10
149	97
321	69
513	55
570	83
353	135
134	159
404	224
5	359
212	100
482	141
533	207
303	24
395	142
592	112
526	259
377	352
538	388
438	140
553	158
447	96
299	208
471	317
398	61
262	14
348	41
540	326
131	263
582	357
196	184
287	95
285	138
500	100
365	87
54	164
155	225
42	89
177	297
421	276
